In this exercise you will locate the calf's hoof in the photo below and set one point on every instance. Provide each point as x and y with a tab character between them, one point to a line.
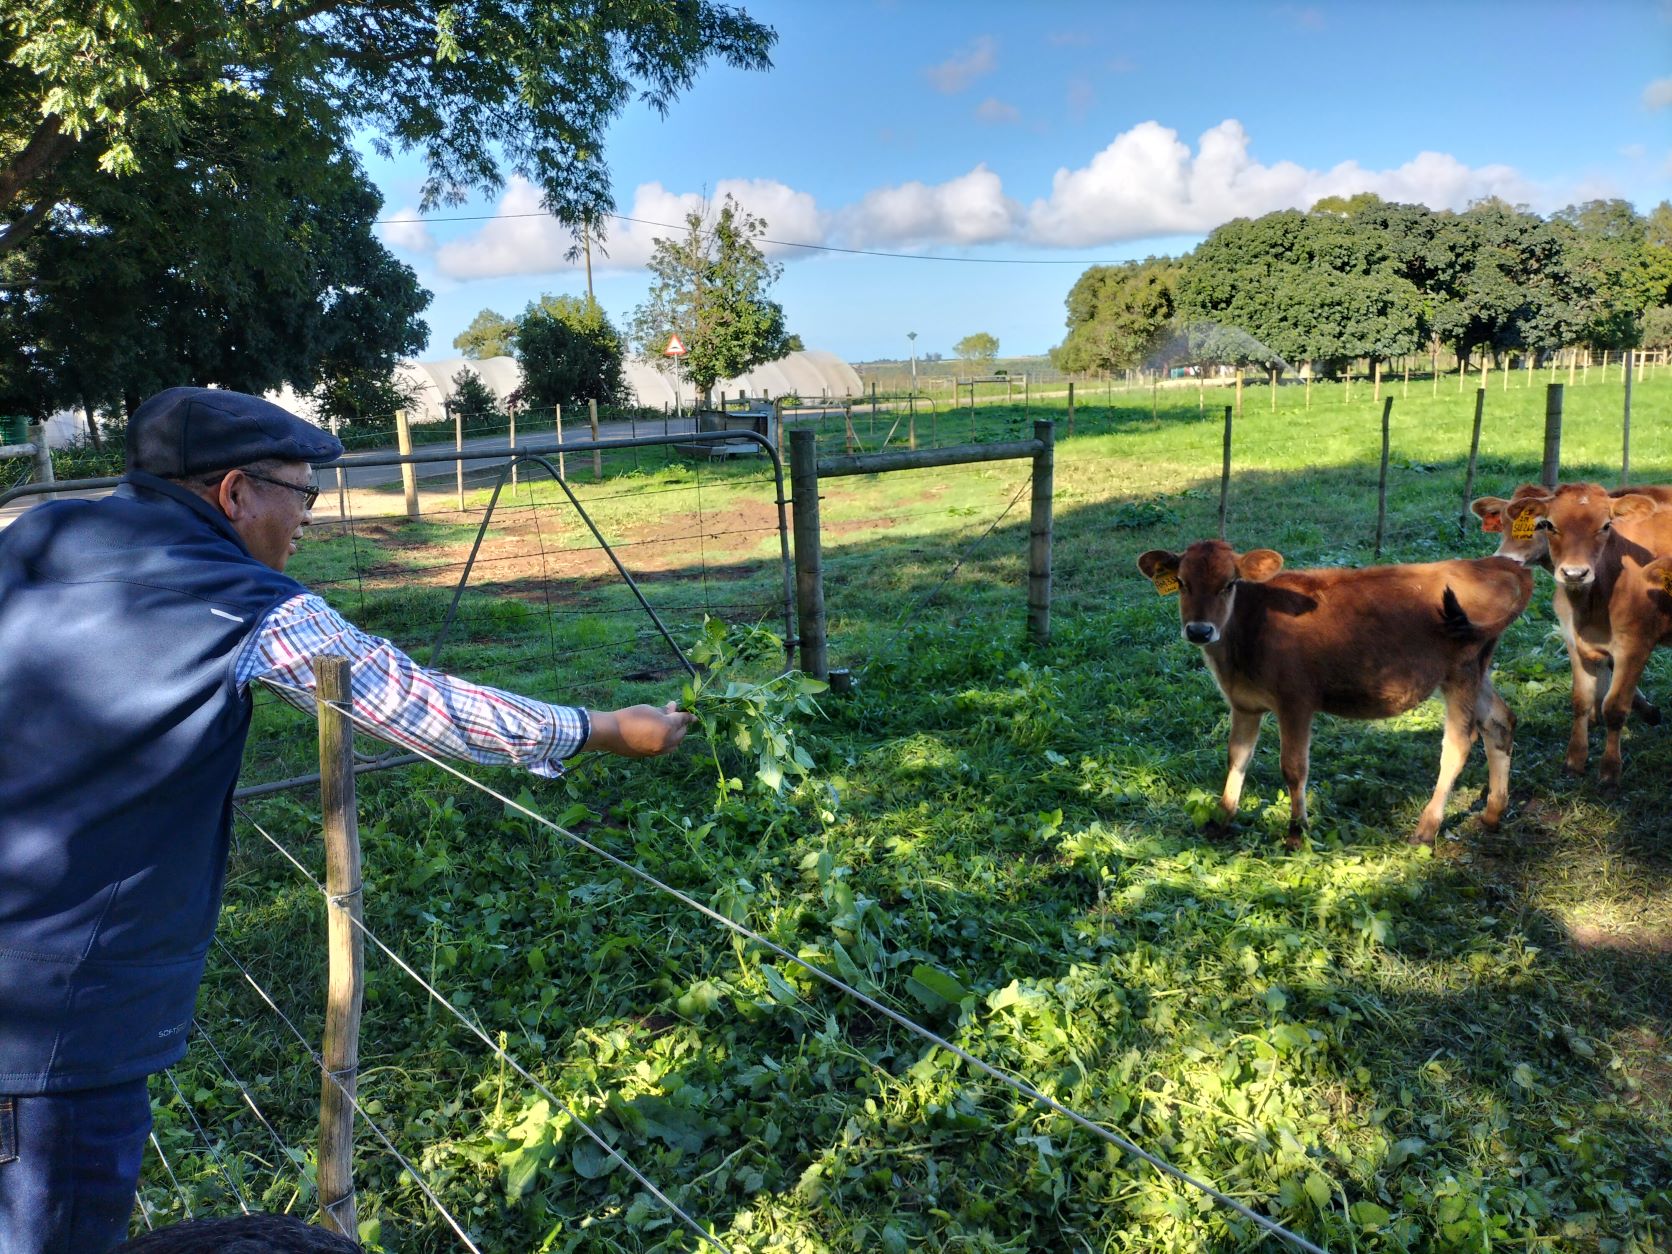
1426	831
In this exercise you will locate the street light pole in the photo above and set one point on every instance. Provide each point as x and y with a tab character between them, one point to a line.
912	336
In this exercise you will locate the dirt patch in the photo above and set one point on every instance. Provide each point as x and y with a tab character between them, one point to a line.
1648	942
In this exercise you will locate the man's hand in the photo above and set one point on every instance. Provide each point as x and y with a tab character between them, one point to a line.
638	731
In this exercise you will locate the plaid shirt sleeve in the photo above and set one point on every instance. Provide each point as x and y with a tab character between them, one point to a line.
407	704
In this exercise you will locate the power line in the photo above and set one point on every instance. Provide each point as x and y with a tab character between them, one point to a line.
781	243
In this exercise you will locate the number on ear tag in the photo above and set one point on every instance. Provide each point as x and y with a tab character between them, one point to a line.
1492	522
1166	583
1524	526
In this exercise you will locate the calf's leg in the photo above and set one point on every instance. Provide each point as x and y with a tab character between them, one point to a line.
1629	662
1295	729
1245	732
1454	752
1497	726
1584	700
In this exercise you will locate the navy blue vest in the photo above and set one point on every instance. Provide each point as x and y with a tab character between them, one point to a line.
121	621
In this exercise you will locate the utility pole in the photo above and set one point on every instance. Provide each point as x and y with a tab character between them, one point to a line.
912	336
586	247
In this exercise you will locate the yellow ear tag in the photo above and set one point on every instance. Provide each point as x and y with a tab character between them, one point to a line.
1166	583
1666	582
1524	525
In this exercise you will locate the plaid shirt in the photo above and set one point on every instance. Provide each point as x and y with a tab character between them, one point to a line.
409	705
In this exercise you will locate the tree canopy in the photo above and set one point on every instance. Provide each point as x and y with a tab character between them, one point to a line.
488	335
711	287
977	347
569	353
479	87
1117	314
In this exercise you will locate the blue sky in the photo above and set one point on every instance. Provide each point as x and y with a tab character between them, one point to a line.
1068	133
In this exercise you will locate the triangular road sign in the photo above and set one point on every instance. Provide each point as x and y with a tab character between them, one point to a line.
676	347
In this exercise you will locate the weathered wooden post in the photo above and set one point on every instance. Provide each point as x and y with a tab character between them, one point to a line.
1552	436
1239	389
809	558
1474	454
1225	475
850	437
458	447
409	473
340	1048
1625	428
43	471
778	426
1071	409
597	454
511	413
911	422
1382	483
1039	534
562	457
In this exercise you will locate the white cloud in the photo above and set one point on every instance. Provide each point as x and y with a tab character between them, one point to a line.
525	240
1658	94
963	68
997	111
970	209
1148	183
405	231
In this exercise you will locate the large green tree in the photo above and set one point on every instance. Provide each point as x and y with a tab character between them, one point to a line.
1117	315
712	288
488	335
569	353
979	346
1614	278
246	258
478	87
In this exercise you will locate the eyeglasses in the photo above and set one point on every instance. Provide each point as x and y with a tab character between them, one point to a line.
307	491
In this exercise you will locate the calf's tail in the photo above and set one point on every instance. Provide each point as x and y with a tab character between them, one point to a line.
1456	624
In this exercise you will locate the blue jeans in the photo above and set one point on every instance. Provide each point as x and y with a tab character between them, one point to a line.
69	1163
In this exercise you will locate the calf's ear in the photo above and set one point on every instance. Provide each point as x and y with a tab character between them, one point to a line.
1633	505
1490	511
1658	575
1531	490
1259	565
1158	562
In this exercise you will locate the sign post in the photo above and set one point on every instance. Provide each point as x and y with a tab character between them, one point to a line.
675	349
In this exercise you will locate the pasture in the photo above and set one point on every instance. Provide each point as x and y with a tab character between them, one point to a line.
1379	1046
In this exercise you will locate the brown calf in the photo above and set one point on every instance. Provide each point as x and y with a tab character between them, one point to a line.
1364	643
1525	543
1603	550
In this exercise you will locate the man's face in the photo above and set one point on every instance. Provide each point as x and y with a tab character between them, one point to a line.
268	508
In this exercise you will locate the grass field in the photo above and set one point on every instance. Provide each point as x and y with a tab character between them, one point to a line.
1380	1047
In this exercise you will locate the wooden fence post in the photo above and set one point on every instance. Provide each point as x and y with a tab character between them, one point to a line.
1382	483
409	472
598	454
1474	454
458	447
1552	436
1625	428
1071	408
340	1048
1039	534
809	558
512	414
43	472
911	421
1225	475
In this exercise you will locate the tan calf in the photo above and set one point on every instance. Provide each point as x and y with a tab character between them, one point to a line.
1357	643
1527	544
1603	550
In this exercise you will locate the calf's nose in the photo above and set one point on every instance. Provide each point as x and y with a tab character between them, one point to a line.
1576	574
1200	633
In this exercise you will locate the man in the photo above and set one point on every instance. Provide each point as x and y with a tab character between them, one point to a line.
131	629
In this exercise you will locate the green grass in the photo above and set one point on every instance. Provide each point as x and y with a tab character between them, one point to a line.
1380	1047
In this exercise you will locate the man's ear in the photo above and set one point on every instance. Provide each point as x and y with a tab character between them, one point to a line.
1259	565
1490	511
1633	505
1157	562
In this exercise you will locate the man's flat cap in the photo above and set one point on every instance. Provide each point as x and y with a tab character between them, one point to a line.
191	431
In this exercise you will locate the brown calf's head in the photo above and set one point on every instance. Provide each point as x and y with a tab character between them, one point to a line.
1576	521
1519	541
1206	576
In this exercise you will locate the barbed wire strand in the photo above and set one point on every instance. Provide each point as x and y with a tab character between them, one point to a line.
494	1046
352	1099
173	1179
1019	1085
220	1163
144	1210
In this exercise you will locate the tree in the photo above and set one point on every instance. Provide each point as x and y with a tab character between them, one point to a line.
471	397
479	87
1613	273
246	259
569	354
977	347
1513	289
1117	315
711	289
488	335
